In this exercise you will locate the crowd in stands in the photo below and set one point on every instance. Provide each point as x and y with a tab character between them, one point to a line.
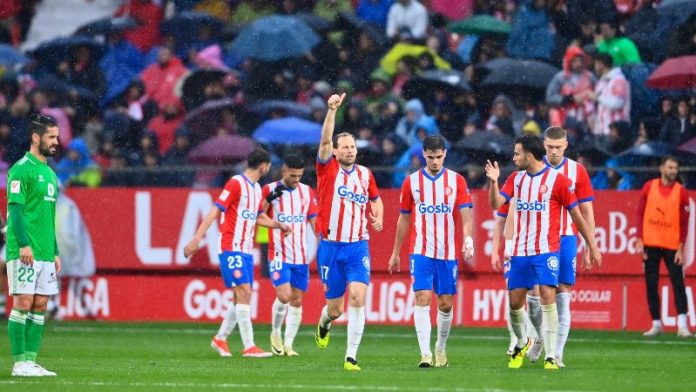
137	98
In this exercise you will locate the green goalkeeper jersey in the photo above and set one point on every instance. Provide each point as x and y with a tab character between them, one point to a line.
33	184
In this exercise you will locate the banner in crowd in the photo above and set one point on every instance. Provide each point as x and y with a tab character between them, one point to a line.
147	229
597	303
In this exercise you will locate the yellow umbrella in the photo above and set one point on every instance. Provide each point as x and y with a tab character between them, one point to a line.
391	59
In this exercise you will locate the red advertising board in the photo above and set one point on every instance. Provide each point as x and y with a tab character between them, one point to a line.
146	229
607	303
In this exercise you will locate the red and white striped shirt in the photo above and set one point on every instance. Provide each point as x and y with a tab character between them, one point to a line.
343	198
539	200
239	202
434	202
578	176
294	208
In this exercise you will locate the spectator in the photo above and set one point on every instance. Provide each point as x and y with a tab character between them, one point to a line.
678	129
612	95
531	35
329	9
149	17
161	78
392	149
621	49
179	150
648	131
409	14
374	11
78	168
164	125
570	91
406	128
501	119
453	9
619	137
82	71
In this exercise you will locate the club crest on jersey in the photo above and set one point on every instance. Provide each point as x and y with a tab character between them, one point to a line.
346	193
448	191
364	183
543	189
552	263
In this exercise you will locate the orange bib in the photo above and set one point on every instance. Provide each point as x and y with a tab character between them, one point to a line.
661	217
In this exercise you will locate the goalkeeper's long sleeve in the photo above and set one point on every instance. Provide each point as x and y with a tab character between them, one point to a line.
16	221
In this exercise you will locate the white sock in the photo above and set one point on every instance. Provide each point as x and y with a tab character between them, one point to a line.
421	319
550	321
278	311
356	326
534	305
444	324
563	305
228	323
292	324
325	320
657	324
681	321
513	338
245	328
518	319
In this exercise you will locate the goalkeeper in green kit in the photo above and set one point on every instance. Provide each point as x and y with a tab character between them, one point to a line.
32	253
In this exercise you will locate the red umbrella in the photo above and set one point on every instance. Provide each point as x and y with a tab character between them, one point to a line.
222	149
689	146
674	73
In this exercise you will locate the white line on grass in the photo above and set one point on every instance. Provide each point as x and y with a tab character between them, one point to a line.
257	386
194	331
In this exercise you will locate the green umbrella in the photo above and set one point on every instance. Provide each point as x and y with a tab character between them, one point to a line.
480	25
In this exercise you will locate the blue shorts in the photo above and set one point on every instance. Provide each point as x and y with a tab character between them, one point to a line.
236	268
434	274
295	274
569	253
340	263
527	271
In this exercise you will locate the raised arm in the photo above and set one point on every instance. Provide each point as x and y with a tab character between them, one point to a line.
327	130
494	197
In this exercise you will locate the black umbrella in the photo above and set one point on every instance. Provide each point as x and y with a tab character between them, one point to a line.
289	108
106	26
480	146
204	121
514	73
59	49
646	153
195	84
349	22
317	23
451	81
596	151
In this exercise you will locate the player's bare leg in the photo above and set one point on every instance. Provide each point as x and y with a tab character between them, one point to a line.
242	294
563	304
330	312
293	321
357	292
444	324
279	310
550	325
535	317
421	320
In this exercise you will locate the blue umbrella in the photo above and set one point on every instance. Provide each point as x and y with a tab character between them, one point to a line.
290	108
288	130
105	26
10	56
275	38
60	48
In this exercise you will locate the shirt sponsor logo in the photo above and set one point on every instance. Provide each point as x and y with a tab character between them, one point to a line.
15	186
345	193
434	209
530	206
285	218
249	215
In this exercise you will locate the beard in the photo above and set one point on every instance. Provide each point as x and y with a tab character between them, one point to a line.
346	161
47	150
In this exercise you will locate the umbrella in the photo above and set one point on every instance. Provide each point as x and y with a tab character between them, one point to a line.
222	149
676	11
204	120
9	56
480	25
288	130
317	23
290	108
645	153
350	22
451	81
675	73
518	73
688	146
187	23
106	26
590	148
485	145
194	85
275	38
61	48
391	59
